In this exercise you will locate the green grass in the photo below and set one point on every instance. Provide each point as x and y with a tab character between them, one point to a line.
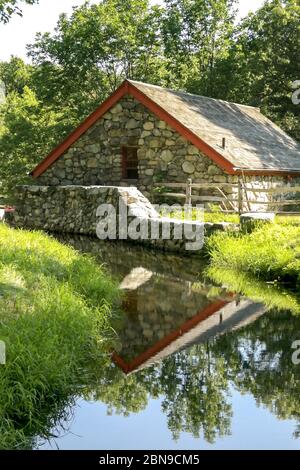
271	253
55	308
196	214
216	216
271	295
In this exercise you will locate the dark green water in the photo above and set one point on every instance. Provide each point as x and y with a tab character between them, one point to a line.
195	365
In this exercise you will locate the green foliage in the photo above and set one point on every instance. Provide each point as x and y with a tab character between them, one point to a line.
11	7
15	75
196	36
55	306
263	62
91	52
28	132
193	45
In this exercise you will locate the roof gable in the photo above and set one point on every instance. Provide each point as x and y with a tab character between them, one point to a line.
252	142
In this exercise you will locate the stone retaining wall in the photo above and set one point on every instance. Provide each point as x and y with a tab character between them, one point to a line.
73	209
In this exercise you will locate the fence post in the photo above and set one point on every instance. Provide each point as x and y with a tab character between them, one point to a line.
240	195
188	199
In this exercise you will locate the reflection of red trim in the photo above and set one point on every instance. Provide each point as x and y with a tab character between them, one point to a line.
164	342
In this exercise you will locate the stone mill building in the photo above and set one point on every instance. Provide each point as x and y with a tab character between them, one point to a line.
143	134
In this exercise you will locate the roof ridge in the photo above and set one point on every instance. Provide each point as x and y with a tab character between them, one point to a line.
194	94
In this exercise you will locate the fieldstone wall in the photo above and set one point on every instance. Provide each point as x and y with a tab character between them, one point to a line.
73	209
163	155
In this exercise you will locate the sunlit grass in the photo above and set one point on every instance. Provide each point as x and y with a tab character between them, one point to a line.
271	253
216	216
55	306
271	295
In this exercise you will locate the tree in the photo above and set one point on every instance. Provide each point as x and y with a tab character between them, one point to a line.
196	35
15	75
92	52
28	130
11	7
263	62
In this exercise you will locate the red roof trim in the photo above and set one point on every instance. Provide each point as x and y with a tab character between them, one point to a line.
129	88
81	129
164	342
181	129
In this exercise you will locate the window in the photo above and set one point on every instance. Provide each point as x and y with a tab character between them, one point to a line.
130	163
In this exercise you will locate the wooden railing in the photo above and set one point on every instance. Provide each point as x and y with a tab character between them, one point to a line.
239	199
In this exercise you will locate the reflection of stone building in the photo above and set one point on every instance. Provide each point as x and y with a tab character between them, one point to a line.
158	308
149	337
168	304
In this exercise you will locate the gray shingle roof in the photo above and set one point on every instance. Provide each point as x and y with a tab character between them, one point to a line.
253	142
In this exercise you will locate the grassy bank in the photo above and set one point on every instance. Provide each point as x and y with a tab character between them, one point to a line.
55	306
216	216
273	296
271	254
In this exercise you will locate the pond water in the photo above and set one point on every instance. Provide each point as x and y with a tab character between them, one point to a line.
195	366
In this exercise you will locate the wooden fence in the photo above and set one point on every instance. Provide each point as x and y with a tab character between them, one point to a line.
239	200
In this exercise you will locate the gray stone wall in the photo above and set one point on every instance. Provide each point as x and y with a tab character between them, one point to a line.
163	154
73	209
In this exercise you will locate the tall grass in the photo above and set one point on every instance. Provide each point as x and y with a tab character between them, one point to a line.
55	308
271	252
271	295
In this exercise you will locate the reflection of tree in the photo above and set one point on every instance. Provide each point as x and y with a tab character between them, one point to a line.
193	384
193	387
297	432
259	358
123	394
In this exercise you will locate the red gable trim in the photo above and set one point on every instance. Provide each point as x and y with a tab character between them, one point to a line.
129	88
167	340
181	129
83	127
